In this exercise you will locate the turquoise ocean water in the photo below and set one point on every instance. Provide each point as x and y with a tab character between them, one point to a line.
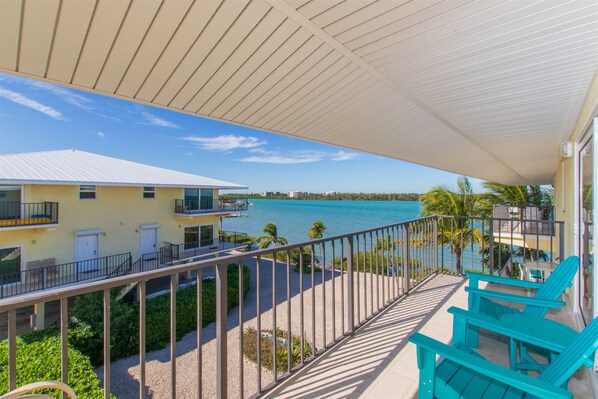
294	217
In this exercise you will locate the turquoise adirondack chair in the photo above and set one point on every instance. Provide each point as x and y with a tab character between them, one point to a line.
545	336
482	300
461	374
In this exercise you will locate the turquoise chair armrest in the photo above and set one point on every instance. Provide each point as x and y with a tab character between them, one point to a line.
523	382
476	277
490	323
522	299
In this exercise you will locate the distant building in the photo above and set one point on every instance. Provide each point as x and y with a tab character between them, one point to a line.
266	194
295	194
330	193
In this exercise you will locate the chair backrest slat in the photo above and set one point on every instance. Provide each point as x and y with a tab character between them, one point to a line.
573	356
555	285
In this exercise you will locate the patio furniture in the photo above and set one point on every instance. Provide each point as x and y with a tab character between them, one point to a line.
544	336
462	374
26	390
483	300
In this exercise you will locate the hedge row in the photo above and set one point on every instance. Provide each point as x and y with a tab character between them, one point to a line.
40	361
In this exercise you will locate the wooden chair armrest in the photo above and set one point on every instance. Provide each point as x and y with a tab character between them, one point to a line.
475	277
26	389
522	299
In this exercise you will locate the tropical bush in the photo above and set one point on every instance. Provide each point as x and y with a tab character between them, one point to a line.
250	348
40	361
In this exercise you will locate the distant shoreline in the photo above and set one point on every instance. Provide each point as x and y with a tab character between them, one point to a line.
330	197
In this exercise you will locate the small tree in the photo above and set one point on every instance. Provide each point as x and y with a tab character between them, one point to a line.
317	230
271	237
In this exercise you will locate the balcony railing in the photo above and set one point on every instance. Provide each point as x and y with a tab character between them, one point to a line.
194	206
16	214
44	277
315	292
227	240
526	220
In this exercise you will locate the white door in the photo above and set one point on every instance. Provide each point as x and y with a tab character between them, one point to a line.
149	240
86	248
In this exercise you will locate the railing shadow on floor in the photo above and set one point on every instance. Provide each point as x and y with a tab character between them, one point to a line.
353	365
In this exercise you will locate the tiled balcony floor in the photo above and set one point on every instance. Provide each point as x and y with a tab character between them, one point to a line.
379	362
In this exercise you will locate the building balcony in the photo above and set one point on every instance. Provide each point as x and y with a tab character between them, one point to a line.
193	207
18	215
344	306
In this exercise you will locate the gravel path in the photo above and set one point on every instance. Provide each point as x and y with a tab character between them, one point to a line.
324	315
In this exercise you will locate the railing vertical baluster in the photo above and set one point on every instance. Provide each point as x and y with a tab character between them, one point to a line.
323	267
365	279
343	287
313	299
142	315
173	288
561	241
333	279
258	324
406	260
378	276
241	328
301	320
289	336
221	331
12	350
274	365
199	321
350	286
394	261
358	288
106	342
491	245
371	276
64	337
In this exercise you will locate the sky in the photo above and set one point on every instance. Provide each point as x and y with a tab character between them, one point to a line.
38	116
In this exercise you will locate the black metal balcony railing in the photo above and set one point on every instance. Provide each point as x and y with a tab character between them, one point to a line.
13	214
193	206
325	289
41	278
227	240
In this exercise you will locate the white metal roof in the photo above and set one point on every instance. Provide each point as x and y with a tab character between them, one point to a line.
79	167
487	88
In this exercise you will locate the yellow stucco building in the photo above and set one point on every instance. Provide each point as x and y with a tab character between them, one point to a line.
71	206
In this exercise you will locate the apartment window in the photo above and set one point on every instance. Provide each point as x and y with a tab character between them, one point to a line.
10	265
87	192
149	192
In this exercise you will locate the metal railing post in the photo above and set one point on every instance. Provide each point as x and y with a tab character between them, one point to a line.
406	260
350	287
435	242
561	242
221	331
491	246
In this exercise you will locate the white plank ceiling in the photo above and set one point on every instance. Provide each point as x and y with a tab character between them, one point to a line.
486	88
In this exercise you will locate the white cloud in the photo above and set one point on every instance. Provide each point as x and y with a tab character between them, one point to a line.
29	103
155	121
344	156
281	160
100	135
225	142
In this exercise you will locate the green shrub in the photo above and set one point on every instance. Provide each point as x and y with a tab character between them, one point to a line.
250	349
40	361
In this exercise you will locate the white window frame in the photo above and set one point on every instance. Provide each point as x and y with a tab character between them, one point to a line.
87	186
152	191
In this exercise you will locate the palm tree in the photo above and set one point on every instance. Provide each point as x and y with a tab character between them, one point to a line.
461	205
271	237
516	196
317	230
